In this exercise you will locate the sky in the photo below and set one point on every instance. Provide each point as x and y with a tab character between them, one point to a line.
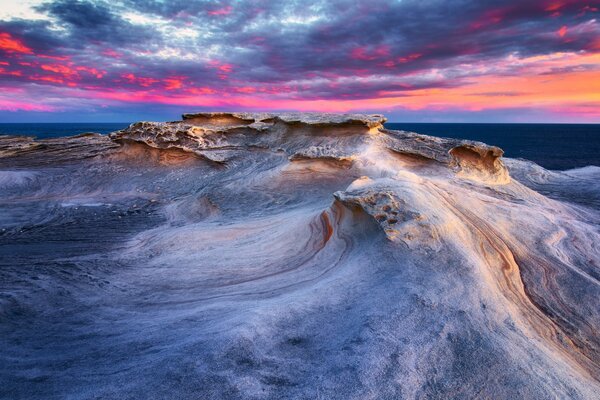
412	60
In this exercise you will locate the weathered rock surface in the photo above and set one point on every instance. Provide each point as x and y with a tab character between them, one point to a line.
261	255
337	136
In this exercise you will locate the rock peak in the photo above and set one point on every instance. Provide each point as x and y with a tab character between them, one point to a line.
310	118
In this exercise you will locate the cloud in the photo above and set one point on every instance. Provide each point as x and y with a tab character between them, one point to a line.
128	51
87	21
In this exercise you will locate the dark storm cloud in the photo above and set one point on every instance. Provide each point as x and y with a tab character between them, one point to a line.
79	14
88	21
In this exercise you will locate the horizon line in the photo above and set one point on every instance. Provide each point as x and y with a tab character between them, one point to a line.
387	122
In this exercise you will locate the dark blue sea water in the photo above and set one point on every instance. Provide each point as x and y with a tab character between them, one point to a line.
44	131
553	146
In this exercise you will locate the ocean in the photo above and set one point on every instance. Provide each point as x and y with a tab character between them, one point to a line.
54	130
553	146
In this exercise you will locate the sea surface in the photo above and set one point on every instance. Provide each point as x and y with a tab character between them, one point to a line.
553	146
54	130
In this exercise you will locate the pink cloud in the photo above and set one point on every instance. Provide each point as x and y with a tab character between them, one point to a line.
225	67
111	53
13	105
140	80
58	58
46	78
92	71
174	82
4	71
201	91
222	68
221	11
59	69
366	54
562	31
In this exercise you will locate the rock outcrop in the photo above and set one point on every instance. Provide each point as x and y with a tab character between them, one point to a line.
337	136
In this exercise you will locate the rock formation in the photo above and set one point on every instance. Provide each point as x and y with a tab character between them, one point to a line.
261	255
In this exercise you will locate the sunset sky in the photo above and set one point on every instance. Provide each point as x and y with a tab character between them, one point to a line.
414	60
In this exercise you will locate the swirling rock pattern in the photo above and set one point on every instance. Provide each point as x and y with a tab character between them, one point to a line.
268	256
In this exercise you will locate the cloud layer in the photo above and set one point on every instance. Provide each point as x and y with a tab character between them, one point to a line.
414	60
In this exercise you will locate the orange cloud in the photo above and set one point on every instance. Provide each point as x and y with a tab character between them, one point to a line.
12	45
174	82
59	69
